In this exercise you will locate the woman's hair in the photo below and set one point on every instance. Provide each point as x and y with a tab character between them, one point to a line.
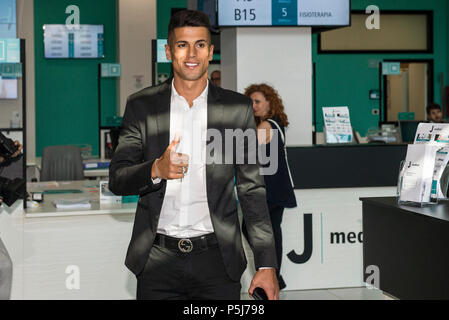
271	95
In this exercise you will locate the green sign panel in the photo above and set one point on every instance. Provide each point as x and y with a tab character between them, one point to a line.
111	70
391	68
10	70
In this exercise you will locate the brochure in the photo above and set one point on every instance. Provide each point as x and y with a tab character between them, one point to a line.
441	161
418	173
432	133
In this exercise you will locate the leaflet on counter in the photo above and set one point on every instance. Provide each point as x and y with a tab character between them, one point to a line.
337	125
441	161
418	173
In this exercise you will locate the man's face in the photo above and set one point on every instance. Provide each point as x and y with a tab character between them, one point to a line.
435	115
190	52
215	77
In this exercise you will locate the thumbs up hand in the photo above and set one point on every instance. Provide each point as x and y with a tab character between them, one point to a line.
171	165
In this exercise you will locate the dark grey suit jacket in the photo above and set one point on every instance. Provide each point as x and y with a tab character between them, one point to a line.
145	136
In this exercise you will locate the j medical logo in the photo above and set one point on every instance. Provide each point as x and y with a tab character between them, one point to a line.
308	243
334	238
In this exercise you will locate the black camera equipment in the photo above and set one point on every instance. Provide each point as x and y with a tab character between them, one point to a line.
11	190
7	147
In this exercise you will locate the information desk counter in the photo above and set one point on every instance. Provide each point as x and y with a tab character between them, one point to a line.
409	245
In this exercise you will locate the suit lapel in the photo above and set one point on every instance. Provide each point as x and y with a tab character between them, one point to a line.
215	113
163	115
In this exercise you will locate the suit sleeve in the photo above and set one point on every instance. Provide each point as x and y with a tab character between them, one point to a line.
129	173
252	197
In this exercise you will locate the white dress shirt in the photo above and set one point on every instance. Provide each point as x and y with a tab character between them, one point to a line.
185	211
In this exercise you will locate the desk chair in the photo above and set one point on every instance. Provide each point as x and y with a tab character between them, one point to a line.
62	163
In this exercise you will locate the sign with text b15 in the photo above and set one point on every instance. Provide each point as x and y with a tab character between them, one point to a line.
303	13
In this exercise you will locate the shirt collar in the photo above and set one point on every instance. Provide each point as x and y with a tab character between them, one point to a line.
202	96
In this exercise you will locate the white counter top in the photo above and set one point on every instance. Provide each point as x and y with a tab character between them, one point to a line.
89	190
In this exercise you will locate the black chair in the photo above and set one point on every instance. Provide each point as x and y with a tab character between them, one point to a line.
62	163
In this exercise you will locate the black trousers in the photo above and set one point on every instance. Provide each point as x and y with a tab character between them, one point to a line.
173	275
276	214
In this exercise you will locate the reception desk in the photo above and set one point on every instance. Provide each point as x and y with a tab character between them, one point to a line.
409	246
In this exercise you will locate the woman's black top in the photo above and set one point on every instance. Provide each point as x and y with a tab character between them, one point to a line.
278	186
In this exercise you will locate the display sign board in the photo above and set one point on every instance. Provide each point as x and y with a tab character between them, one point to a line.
420	176
9	50
283	12
76	41
337	125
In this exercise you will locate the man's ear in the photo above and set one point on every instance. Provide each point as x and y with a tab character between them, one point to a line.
211	52
167	52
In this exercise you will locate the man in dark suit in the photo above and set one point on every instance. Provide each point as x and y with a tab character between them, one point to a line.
186	241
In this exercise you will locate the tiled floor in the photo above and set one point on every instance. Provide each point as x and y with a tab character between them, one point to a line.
331	294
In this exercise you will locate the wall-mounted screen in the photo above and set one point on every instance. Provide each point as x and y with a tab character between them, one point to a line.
8	88
306	13
9	53
73	41
9	50
8	25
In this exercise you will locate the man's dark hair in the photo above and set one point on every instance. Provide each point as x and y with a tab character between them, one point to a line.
432	106
187	18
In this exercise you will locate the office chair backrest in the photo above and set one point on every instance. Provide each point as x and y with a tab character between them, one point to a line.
62	163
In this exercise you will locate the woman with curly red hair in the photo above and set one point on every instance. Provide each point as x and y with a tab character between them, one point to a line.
270	115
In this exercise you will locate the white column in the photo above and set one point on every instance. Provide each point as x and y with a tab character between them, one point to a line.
280	57
137	27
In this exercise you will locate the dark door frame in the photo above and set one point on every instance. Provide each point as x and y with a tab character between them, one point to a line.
430	82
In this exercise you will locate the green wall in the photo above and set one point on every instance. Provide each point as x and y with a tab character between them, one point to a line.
164	8
346	79
66	89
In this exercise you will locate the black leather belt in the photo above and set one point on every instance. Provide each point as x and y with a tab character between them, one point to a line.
186	245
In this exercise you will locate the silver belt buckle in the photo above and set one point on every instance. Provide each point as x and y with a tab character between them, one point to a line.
185	245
